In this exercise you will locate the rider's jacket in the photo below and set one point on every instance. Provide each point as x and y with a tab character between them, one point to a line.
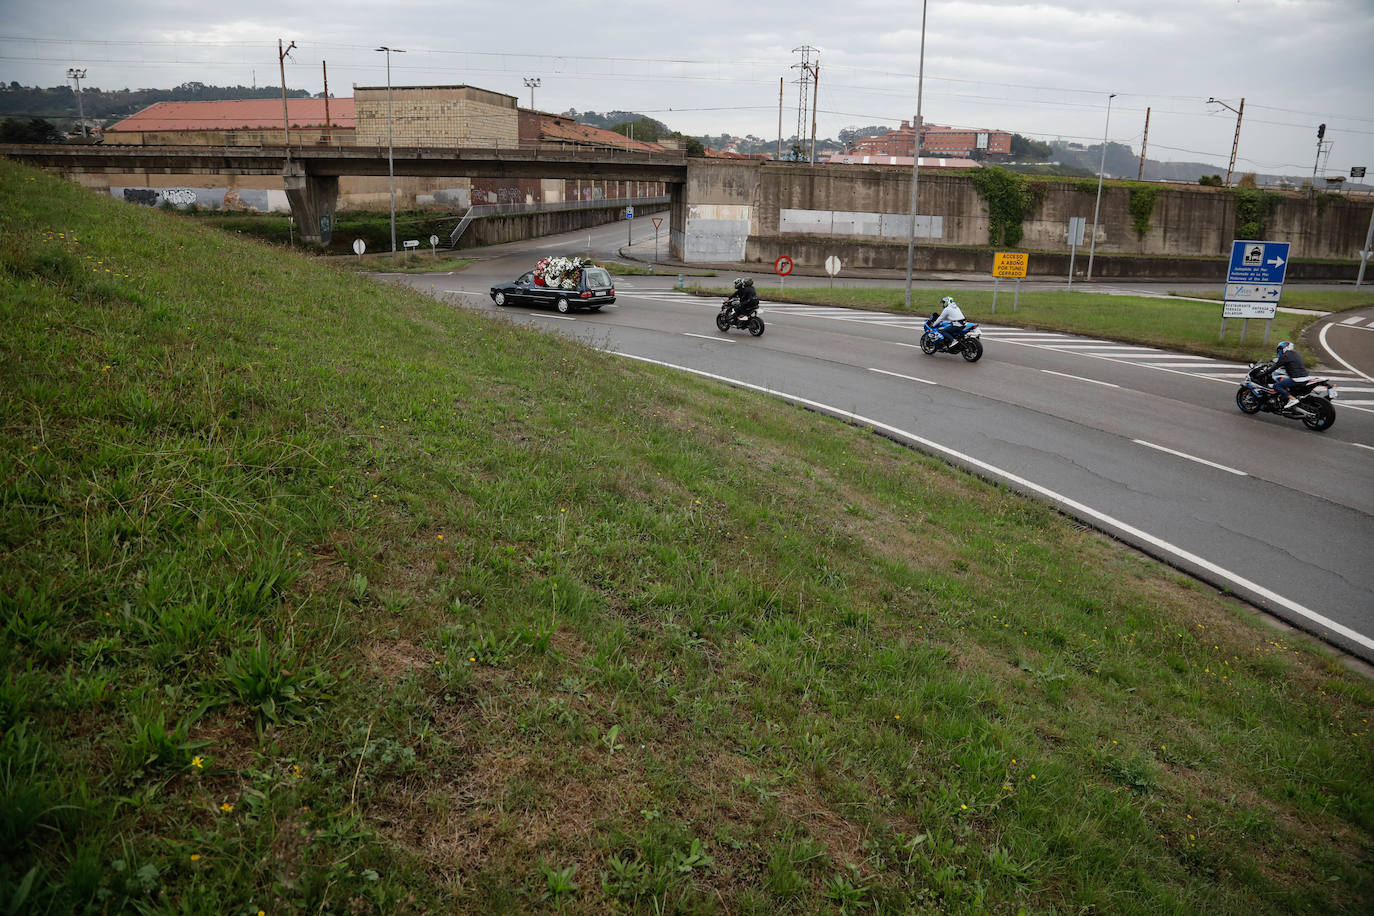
950	313
745	298
1291	365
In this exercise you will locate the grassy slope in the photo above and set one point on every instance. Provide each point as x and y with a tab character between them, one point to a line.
318	594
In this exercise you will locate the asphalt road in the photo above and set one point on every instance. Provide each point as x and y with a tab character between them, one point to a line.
1143	444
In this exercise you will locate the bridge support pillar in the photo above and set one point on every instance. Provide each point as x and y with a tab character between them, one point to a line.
312	199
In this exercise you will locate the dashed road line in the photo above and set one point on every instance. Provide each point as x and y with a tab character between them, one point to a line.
1210	464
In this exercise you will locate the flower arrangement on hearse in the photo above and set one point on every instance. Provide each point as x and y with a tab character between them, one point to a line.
559	272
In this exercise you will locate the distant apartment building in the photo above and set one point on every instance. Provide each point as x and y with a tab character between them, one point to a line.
954	142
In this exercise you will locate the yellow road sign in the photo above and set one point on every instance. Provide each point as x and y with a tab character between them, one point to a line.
1009	263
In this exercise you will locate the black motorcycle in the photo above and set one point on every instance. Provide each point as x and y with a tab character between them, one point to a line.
1314	396
747	318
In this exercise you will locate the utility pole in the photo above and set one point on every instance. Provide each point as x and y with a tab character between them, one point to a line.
532	83
1092	246
390	161
1235	141
1144	141
78	76
779	119
916	157
815	97
285	118
328	124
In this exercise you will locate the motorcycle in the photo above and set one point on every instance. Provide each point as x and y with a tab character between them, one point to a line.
748	319
963	341
1314	407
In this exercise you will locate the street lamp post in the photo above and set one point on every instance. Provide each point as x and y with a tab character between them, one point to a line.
79	75
1235	141
532	82
390	164
916	157
1097	207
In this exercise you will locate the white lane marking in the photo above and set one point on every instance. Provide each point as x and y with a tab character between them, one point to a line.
1355	320
1322	337
1111	348
558	317
1079	378
709	337
1361	445
1210	464
1071	505
909	378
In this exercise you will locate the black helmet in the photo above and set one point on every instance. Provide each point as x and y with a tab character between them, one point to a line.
748	281
739	281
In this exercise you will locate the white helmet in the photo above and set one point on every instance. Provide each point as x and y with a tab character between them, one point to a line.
948	301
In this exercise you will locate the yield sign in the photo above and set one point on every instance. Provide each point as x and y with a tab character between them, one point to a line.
658	221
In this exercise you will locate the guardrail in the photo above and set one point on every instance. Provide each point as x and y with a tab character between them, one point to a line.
482	210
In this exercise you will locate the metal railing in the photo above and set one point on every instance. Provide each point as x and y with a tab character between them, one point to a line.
341	138
479	211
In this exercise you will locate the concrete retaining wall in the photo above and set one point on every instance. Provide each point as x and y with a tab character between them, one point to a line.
809	254
786	206
493	230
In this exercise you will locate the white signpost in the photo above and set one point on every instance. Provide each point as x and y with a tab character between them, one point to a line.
832	267
433	242
359	246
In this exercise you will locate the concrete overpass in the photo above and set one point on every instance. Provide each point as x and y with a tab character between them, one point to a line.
311	174
732	211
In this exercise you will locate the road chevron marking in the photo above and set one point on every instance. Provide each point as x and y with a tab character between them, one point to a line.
1072	506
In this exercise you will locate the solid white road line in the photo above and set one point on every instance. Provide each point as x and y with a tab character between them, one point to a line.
1322	337
558	317
1079	378
1073	506
709	337
1356	320
1210	464
909	378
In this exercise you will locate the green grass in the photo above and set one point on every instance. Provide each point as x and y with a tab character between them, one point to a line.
319	595
1176	324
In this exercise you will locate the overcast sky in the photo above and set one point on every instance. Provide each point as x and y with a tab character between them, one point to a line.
1044	70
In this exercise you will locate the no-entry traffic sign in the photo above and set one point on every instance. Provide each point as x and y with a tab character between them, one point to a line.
783	266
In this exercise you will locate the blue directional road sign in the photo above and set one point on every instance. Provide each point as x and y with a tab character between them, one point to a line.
1258	262
629	212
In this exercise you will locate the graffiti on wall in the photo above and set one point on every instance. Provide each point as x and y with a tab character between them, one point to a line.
252	199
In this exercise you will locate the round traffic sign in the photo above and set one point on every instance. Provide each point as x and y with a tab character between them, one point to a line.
359	246
783	266
433	240
832	265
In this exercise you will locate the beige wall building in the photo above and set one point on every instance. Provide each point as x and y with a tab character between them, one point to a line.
436	116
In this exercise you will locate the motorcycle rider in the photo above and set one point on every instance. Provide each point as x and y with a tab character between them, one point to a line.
1288	368
950	312
745	298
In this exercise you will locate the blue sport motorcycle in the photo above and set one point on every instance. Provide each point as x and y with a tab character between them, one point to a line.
961	339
